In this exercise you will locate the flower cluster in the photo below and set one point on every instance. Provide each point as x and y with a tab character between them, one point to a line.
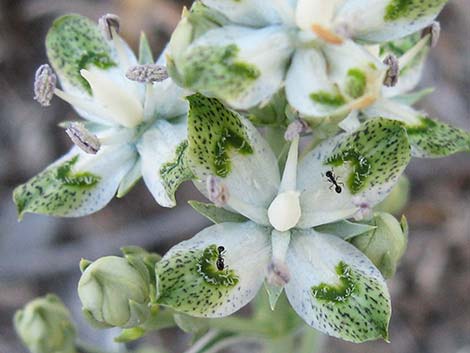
296	209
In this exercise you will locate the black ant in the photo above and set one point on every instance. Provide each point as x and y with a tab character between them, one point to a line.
220	260
334	180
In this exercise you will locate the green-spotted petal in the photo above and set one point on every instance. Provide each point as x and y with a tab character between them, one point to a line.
336	289
76	185
383	20
240	65
198	278
163	151
429	138
225	145
365	164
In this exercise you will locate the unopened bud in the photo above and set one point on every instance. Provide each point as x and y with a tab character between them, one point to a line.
115	291
217	191
107	23
295	129
147	73
44	85
45	326
384	245
434	30
83	138
391	77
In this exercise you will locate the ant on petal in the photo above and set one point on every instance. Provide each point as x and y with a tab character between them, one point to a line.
220	260
335	181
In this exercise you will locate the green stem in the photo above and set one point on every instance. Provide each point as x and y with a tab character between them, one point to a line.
159	319
310	342
247	327
284	344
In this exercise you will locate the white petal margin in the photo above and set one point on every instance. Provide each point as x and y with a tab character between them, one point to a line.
189	280
77	184
308	74
336	289
157	147
253	13
384	20
251	69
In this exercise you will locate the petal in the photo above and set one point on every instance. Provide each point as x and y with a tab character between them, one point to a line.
190	279
254	13
165	100
163	150
365	164
310	12
224	144
77	184
384	20
429	138
308	74
74	43
240	65
336	289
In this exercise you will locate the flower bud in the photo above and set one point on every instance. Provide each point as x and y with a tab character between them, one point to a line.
397	199
386	244
115	291
44	325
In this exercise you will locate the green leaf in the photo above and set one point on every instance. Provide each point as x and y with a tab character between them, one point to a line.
73	43
216	214
434	139
344	229
130	334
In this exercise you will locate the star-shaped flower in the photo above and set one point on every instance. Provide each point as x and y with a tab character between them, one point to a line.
135	122
244	52
274	232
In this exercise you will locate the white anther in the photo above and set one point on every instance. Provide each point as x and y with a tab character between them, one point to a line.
83	138
434	30
278	274
295	129
44	85
147	73
107	23
391	77
217	191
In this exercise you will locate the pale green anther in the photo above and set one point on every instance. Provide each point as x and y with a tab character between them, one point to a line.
45	326
115	292
385	245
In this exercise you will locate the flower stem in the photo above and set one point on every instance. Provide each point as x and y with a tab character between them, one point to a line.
239	325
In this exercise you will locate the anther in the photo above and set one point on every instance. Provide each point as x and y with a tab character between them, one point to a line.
434	30
296	128
327	35
107	23
147	73
391	77
44	85
218	193
278	273
83	138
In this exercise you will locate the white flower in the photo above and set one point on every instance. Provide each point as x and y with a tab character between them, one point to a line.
132	128
330	284
243	52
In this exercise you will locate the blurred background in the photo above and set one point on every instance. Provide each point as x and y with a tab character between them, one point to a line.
430	293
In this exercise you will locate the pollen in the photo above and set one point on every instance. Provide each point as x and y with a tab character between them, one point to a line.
327	35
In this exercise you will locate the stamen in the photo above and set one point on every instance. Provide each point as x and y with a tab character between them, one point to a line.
327	35
44	85
434	30
363	102
83	138
296	129
108	23
148	73
391	77
217	191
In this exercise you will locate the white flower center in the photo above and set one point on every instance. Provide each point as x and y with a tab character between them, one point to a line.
284	212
